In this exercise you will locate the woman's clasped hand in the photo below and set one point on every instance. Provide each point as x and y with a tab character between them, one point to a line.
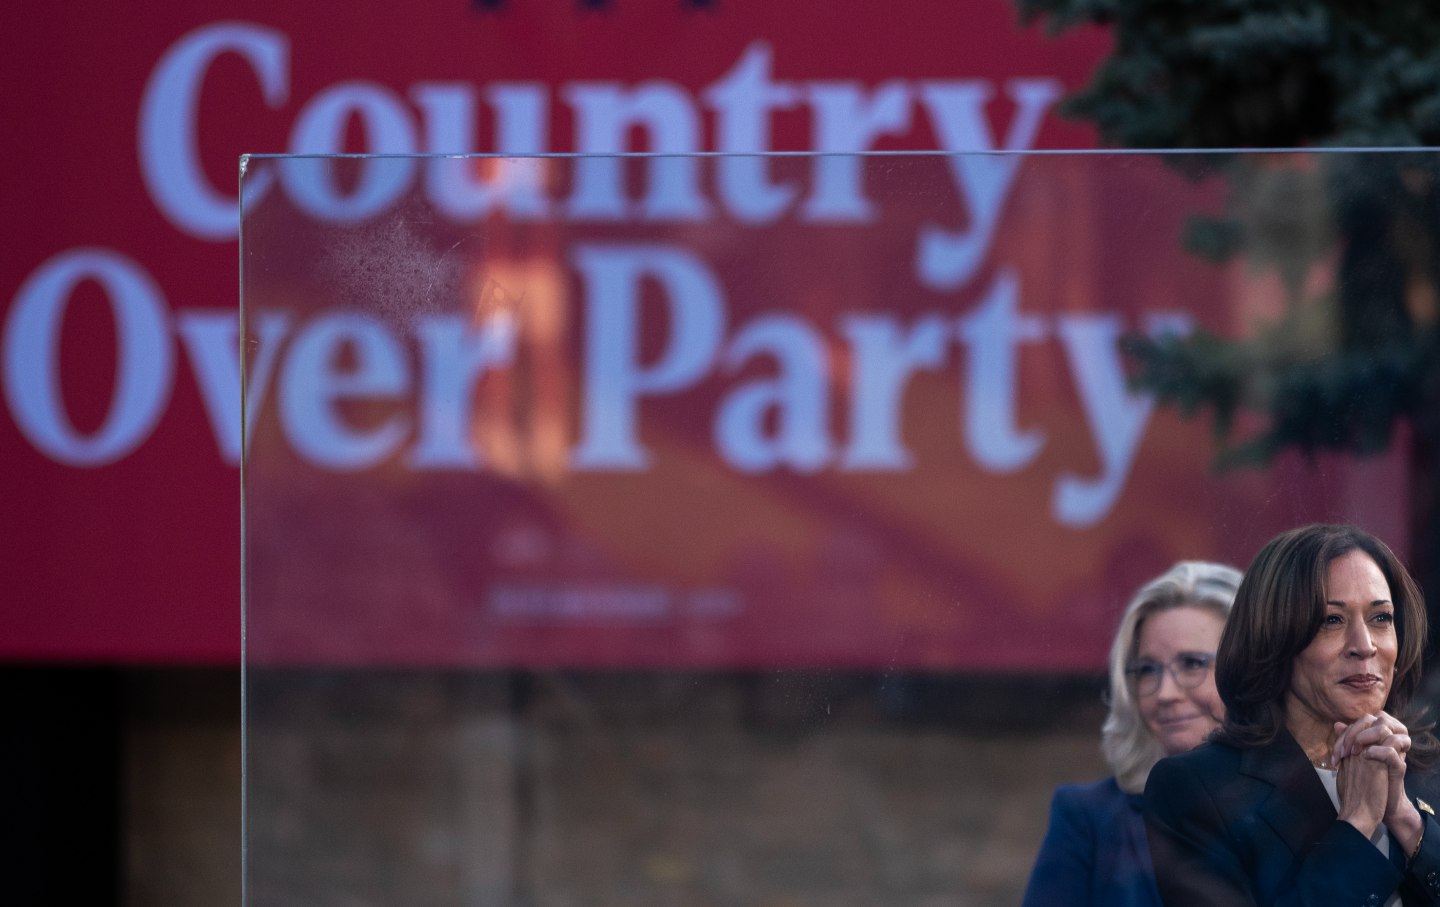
1369	756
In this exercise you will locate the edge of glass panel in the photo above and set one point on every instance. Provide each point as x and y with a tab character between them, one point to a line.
244	164
876	153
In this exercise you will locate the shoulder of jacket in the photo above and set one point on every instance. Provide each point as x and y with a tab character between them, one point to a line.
1209	760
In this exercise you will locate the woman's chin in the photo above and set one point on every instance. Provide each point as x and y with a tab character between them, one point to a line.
1182	740
1354	711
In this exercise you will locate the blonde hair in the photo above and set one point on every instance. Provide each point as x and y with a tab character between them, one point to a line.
1129	747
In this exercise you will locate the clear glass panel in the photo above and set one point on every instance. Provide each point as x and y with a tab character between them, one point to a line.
749	530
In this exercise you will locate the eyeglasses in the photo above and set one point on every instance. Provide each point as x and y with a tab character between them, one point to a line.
1188	668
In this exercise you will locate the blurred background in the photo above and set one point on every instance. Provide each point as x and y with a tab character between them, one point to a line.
682	530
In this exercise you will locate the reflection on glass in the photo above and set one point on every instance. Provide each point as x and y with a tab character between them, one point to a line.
736	529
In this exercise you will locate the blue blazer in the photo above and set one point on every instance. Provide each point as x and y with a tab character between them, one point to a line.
1255	826
1094	851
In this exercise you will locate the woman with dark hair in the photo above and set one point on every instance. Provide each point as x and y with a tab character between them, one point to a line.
1162	700
1300	796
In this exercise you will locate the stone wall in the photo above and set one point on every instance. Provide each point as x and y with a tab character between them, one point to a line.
552	790
180	788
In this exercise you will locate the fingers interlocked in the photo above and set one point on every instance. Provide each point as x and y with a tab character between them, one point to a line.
1380	736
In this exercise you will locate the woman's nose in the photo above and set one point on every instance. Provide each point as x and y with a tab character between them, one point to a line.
1169	688
1361	643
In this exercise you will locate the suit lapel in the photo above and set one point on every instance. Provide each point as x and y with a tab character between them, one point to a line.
1297	808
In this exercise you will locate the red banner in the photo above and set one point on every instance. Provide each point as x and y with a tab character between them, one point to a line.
121	376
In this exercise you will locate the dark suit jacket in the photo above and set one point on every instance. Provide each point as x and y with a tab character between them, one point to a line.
1094	852
1255	826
